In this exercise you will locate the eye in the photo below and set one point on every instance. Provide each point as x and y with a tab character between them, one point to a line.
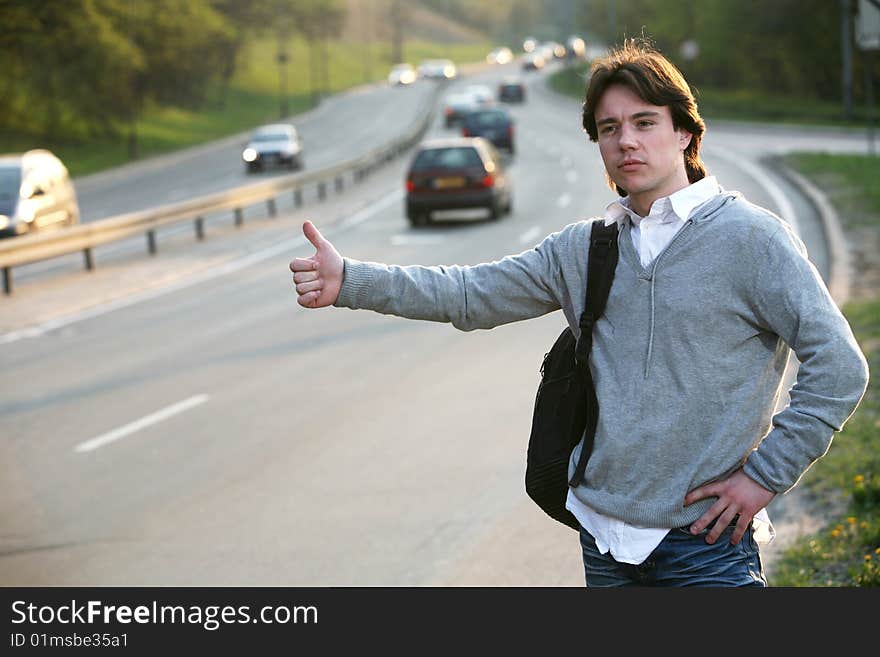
645	123
607	129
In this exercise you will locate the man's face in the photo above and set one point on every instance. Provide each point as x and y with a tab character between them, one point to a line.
642	151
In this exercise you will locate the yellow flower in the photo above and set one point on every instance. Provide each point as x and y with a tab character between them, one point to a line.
877	551
851	520
867	557
835	532
858	479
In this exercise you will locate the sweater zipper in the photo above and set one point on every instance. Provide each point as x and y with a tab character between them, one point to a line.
684	228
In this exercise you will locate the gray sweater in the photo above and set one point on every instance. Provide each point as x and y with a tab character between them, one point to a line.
688	359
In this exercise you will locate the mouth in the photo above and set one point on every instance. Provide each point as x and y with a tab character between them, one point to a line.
630	165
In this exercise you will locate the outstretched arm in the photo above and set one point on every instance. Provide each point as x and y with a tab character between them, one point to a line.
318	279
469	297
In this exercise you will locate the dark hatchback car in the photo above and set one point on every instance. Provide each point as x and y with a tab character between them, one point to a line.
495	124
456	174
511	91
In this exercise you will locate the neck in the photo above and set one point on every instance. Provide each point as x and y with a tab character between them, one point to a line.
641	202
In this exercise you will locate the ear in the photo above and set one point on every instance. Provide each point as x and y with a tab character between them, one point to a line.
684	139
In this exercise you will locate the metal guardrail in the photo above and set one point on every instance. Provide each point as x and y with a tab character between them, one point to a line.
84	238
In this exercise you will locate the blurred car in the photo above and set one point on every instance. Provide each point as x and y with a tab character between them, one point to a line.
36	192
459	104
438	69
511	90
273	145
456	106
402	75
455	174
529	44
481	92
494	123
534	61
575	48
552	50
503	55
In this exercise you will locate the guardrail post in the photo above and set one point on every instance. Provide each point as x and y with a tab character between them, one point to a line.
270	203
7	280
200	228
322	190
151	241
87	256
239	217
297	197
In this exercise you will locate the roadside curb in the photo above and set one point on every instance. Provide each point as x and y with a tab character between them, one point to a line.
838	252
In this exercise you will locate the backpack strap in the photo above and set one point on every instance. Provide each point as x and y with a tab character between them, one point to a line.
600	275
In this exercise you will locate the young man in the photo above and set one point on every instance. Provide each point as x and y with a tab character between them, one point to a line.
710	295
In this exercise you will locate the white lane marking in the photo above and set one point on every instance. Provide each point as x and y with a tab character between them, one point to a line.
137	425
416	240
571	176
564	201
205	275
530	235
786	209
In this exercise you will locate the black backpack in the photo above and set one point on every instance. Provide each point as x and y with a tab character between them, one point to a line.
566	408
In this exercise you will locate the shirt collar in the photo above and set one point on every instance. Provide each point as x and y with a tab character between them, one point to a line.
682	203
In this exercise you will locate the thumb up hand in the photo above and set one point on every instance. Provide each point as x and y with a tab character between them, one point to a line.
318	279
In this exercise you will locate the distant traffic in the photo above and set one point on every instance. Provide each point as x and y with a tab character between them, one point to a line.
36	191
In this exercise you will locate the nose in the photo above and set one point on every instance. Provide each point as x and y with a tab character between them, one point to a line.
628	138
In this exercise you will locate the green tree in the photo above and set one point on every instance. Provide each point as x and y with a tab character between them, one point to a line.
64	65
88	66
317	21
245	18
785	46
183	45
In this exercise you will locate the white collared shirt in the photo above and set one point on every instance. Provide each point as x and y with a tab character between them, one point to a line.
650	235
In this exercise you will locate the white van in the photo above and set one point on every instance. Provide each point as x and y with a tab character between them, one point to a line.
35	193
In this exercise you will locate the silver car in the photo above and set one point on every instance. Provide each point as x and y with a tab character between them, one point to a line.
36	192
273	145
402	75
438	69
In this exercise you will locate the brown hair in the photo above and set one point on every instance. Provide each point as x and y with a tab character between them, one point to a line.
657	81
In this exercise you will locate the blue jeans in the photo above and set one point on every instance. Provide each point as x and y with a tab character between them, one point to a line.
681	559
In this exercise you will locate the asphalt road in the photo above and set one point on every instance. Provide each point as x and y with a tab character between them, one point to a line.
179	420
342	127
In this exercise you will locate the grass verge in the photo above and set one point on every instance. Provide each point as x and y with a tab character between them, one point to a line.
846	552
